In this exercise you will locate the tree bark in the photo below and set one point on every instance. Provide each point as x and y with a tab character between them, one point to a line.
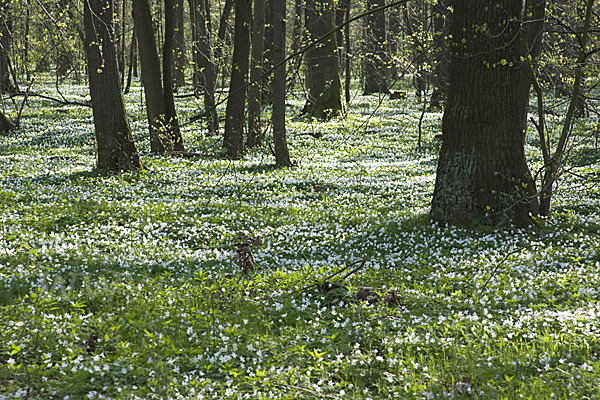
6	85
234	118
376	71
179	45
204	66
256	59
440	72
116	148
297	38
323	71
170	112
482	171
151	78
282	156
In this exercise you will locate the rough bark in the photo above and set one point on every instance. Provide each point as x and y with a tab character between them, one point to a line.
256	70
282	156
116	148
376	65
234	118
323	71
482	171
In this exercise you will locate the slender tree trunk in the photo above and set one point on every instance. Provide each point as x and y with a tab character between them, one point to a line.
554	163
267	82
26	46
151	78
348	74
223	26
297	39
440	73
116	148
482	171
282	156
179	48
234	118
254	91
376	71
6	85
323	72
132	63
170	112
204	66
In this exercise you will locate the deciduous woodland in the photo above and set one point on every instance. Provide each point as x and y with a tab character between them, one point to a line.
312	199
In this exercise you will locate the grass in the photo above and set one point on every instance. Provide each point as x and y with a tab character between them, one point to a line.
126	286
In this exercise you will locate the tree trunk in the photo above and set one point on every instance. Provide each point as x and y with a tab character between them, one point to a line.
5	124
323	71
376	71
132	61
297	38
151	78
440	72
222	32
234	118
256	70
170	112
204	67
116	148
6	85
482	172
267	82
282	156
348	74
179	47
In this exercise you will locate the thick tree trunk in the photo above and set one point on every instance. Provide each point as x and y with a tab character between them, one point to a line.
179	45
170	112
323	71
116	148
204	67
256	70
376	65
482	171
282	156
234	118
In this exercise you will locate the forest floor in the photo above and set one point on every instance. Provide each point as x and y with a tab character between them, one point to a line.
127	286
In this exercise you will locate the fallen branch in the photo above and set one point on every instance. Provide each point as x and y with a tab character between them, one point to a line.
46	97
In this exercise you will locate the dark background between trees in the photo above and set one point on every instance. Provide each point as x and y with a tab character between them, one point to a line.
485	64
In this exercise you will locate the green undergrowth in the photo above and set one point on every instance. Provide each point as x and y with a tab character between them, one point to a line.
127	286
